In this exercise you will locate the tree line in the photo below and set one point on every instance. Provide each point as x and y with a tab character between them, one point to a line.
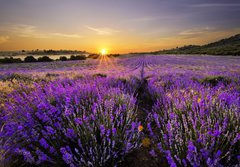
28	59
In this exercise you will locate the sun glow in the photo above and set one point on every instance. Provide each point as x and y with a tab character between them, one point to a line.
105	61
104	51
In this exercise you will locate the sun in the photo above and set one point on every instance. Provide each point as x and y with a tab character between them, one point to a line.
104	51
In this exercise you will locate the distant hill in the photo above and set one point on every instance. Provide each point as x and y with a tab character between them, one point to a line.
228	46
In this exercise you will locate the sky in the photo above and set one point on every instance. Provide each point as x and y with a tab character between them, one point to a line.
120	26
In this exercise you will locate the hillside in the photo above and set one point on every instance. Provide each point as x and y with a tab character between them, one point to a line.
228	46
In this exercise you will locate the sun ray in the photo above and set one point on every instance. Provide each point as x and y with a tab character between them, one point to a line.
105	61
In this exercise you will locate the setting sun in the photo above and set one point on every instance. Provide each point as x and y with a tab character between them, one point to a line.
104	52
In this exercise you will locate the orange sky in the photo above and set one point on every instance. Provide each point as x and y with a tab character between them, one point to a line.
118	43
119	26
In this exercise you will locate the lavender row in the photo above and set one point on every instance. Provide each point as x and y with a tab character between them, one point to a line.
77	123
194	123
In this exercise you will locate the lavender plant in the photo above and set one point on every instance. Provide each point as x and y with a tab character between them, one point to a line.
74	123
193	125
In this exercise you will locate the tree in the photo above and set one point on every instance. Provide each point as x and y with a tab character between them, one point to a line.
80	57
30	59
63	58
45	59
7	60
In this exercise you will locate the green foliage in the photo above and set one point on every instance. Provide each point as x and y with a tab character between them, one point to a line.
63	58
229	46
78	57
45	59
30	59
215	80
54	52
10	60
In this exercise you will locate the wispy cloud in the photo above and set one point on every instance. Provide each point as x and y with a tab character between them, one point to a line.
27	31
194	32
204	5
103	31
3	39
30	31
148	18
67	35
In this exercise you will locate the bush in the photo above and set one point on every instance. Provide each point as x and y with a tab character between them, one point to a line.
78	57
30	59
63	58
10	60
68	123
45	59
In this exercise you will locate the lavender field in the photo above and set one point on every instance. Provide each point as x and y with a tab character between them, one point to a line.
133	110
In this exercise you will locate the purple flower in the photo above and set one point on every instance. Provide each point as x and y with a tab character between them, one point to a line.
50	130
191	147
20	127
57	125
170	159
184	162
209	162
204	153
52	150
218	154
43	143
68	111
78	121
114	131
159	145
67	157
41	157
216	133
191	152
26	154
70	133
134	125
236	139
102	129
108	133
152	153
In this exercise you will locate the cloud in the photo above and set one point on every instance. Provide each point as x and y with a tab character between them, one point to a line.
194	32
67	35
103	31
30	31
204	5
148	18
3	39
27	31
144	19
